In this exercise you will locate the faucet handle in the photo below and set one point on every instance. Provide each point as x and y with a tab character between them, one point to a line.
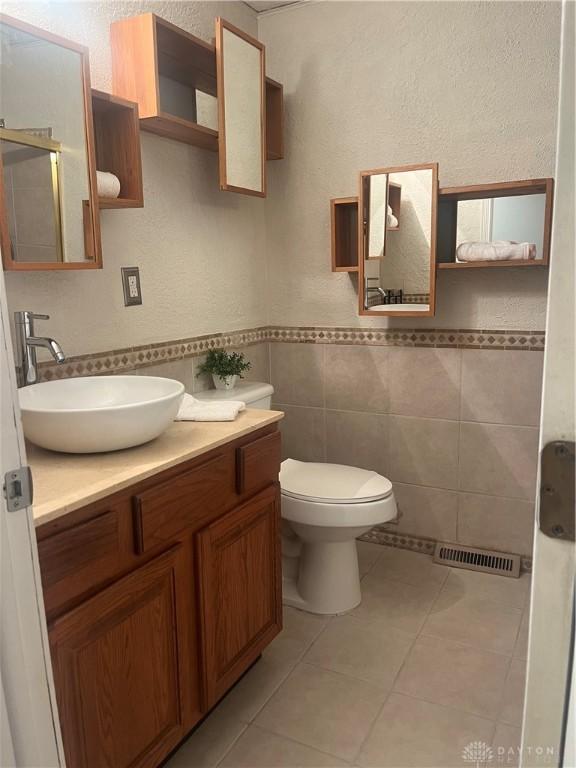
25	316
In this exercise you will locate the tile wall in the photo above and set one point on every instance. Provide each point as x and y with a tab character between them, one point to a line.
456	430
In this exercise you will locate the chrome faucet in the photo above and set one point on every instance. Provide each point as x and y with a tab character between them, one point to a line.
27	344
374	289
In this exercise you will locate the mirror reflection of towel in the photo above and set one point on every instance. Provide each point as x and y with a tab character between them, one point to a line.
498	250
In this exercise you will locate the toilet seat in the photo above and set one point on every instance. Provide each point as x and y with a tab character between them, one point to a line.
332	483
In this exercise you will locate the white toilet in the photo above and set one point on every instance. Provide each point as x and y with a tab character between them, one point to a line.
325	507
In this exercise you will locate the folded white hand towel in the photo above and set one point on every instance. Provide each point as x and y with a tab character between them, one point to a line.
390	211
108	184
192	409
498	250
392	221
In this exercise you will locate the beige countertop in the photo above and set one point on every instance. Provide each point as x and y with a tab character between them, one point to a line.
65	482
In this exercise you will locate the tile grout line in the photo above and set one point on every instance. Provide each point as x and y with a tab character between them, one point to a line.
391	691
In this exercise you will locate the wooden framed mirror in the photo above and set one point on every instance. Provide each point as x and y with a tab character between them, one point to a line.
49	217
241	78
397	241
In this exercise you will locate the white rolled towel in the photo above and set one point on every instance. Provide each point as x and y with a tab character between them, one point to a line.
192	409
497	250
392	221
108	184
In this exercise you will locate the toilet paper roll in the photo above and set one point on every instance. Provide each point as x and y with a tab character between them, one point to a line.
108	184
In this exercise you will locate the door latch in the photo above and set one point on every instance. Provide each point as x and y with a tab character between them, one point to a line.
18	489
557	490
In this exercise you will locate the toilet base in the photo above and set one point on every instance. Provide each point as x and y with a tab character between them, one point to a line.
326	579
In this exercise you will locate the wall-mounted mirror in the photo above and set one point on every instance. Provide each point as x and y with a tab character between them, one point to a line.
48	213
240	69
397	240
502	224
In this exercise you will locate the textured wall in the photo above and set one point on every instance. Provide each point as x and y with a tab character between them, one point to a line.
200	251
471	85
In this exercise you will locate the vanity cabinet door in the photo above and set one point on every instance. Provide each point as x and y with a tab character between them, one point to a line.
120	669
240	589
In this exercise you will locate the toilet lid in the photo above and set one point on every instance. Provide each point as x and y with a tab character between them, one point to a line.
332	483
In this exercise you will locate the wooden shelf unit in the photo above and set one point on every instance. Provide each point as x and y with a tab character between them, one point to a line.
146	49
344	225
274	120
117	142
448	198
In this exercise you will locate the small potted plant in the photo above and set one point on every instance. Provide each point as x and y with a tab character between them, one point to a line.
224	367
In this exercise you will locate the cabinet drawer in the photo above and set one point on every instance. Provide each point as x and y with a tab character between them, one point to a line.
191	499
75	560
258	463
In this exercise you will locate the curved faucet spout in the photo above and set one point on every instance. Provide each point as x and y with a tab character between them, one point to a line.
50	344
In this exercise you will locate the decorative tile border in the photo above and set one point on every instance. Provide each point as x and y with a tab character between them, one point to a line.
382	535
132	358
412	337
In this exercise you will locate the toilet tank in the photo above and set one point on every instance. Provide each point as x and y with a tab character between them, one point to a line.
255	394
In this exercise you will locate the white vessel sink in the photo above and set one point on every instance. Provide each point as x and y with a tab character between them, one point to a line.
98	413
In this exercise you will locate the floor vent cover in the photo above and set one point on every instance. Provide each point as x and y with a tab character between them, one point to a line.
477	559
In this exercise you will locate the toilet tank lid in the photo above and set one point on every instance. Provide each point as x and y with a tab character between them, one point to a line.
332	483
246	391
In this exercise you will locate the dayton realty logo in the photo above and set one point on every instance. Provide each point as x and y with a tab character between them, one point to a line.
478	754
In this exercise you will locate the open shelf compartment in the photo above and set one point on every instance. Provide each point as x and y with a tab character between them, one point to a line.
448	199
344	223
162	67
117	144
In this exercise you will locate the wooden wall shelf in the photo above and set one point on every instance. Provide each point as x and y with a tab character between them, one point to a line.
117	141
147	51
344	224
448	198
274	120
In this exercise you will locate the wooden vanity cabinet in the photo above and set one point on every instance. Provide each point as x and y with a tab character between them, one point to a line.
158	600
240	590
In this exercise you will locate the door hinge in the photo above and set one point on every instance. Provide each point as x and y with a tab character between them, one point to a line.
556	517
18	489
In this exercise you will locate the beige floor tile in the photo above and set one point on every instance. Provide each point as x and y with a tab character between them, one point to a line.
499	589
521	647
395	604
367	555
417	734
324	710
248	697
409	567
208	745
361	649
473	621
299	632
506	746
457	675
513	702
260	749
